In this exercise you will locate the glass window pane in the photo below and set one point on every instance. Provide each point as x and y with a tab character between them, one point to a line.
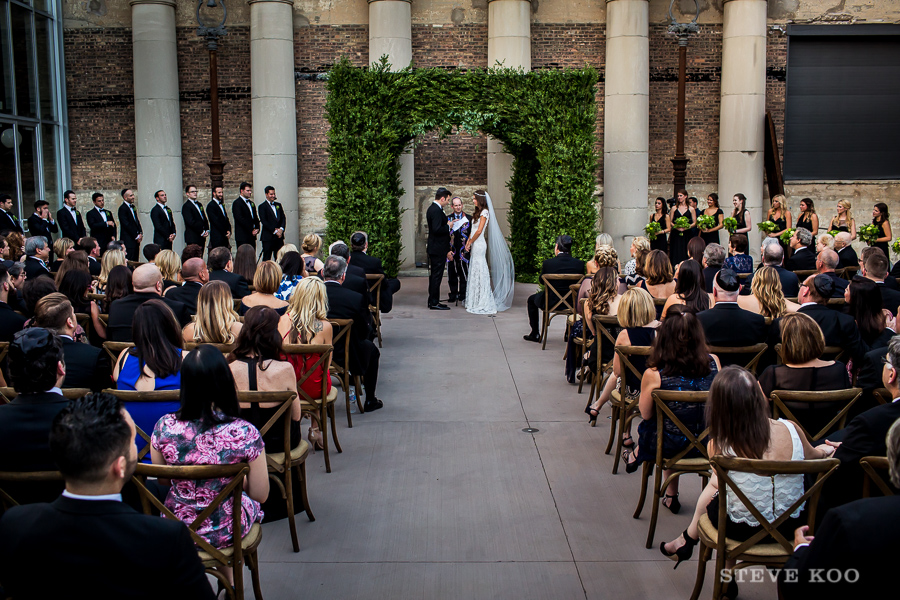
8	160
50	166
6	84
23	46
43	35
43	5
28	167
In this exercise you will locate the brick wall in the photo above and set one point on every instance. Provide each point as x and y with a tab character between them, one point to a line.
776	71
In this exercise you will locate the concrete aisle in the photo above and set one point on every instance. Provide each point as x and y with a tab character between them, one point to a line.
441	495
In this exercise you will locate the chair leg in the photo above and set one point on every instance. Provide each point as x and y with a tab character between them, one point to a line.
358	387
620	433
238	573
304	499
705	552
337	443
645	477
346	384
654	512
614	421
253	563
545	325
323	428
289	499
581	369
718	586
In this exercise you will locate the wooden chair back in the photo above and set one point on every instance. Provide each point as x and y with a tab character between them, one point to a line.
8	394
755	351
22	479
104	318
374	282
114	349
626	352
839	398
4	350
340	338
237	304
134	264
875	469
324	351
282	416
154	396
804	273
883	396
559	301
604	325
661	400
847	272
223	348
836	303
743	277
830	353
84	320
100	298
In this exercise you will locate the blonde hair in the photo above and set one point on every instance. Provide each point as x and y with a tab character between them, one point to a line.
826	240
169	264
110	260
782	204
284	250
606	256
61	246
312	243
845	203
636	308
215	314
766	288
308	305
267	278
604	239
640	243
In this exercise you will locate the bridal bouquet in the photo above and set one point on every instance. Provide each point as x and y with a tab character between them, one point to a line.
731	224
868	233
833	232
785	236
682	223
651	229
706	222
766	227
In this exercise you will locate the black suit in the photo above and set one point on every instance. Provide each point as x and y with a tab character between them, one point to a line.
186	294
195	223
438	245
861	535
561	264
99	228
94	266
838	328
10	322
271	219
219	225
847	256
840	284
371	265
803	259
101	548
131	228
9	222
709	278
344	303
871	367
237	283
163	226
246	220
71	227
34	268
890	299
790	283
357	284
42	227
727	324
86	366
121	314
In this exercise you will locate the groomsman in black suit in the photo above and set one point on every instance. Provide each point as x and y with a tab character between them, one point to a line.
41	223
69	219
132	232
8	220
101	222
438	247
563	263
163	222
246	220
271	215
196	225
219	225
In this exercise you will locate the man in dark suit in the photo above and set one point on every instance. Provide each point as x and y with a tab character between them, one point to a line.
196	225
773	256
845	251
10	321
246	219
219	225
163	222
726	323
344	303
91	247
41	223
563	263
8	219
69	219
804	257
875	268
98	545
101	222
438	247
37	254
355	277
371	265
713	259
458	267
147	283
826	262
195	275
273	220
132	232
220	269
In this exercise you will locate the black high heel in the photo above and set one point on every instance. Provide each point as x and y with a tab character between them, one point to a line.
674	505
630	467
627	438
683	553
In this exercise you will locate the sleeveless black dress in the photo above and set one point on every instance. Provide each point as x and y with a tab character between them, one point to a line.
661	242
806	223
839	227
712	237
781	225
679	239
883	245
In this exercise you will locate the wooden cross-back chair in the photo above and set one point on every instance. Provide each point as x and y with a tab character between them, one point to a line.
101	298
134	264
42	480
836	303
830	353
624	410
127	396
84	319
341	333
679	464
847	272
237	304
321	405
883	396
556	302
104	318
4	350
804	273
573	318
839	399
8	394
114	349
247	542
757	550
875	468
604	325
734	354
225	349
375	282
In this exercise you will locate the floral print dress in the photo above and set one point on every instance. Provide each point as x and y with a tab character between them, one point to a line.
183	443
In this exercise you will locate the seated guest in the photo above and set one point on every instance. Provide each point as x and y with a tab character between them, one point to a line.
16	243
37	253
282	251
86	366
766	297
74	261
845	251
34	290
208	429
889	280
660	281
116	245
88	533
117	286
17	280
311	246
726	323
640	259
245	261
76	285
826	263
772	256
150	251
154	363
689	291
713	259
359	246
61	248
561	264
10	321
292	271
170	267
754	435
215	321
803	371
191	251
695	248
875	267
603	299
824	241
220	267
355	277
147	282
638	244
603	239
803	258
91	247
863	298
195	275
110	260
266	282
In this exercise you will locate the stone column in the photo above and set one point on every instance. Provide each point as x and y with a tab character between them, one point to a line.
390	34
509	43
157	118
626	139
743	107
273	107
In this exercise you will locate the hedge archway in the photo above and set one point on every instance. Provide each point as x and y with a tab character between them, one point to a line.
545	119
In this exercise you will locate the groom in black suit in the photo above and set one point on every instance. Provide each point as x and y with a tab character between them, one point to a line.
438	247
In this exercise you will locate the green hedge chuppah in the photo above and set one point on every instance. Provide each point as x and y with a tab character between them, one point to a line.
545	119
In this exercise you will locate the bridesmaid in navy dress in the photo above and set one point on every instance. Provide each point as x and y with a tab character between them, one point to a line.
660	216
679	238
711	236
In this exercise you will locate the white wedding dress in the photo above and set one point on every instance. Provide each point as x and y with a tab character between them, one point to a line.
479	295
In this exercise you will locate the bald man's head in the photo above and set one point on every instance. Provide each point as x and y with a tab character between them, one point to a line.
828	259
193	270
147	279
842	240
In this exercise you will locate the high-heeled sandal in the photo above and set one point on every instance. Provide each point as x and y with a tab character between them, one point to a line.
627	438
592	413
683	553
630	466
674	504
315	439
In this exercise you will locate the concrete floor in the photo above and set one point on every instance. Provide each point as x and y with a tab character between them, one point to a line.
441	495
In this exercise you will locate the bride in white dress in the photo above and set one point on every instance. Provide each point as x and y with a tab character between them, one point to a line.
490	289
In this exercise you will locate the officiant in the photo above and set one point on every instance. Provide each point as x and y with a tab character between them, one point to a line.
458	264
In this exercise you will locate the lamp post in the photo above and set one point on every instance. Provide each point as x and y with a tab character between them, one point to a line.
683	31
212	29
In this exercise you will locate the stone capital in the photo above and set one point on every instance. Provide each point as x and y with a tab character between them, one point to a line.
724	2
491	1
374	1
290	2
170	3
646	1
